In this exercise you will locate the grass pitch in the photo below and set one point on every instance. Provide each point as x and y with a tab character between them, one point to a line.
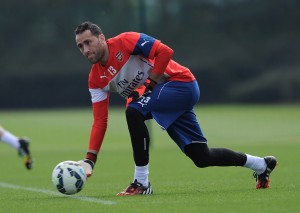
58	135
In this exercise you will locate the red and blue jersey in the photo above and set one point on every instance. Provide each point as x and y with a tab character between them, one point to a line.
131	58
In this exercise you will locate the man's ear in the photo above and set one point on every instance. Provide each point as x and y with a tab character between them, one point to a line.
101	37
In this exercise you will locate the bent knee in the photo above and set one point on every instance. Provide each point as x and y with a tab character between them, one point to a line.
200	163
199	154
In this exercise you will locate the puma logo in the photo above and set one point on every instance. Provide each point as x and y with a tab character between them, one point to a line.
103	76
145	42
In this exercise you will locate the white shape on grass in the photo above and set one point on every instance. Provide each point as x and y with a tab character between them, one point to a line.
49	192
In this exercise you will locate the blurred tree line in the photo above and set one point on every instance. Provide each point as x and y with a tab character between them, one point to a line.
240	50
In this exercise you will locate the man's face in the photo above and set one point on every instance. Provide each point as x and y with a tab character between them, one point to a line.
92	47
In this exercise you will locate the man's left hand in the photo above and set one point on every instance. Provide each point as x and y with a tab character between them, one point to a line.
143	90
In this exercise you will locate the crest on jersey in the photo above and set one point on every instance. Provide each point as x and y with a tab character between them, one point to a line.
119	56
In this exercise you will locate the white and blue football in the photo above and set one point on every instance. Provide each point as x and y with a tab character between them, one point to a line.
68	177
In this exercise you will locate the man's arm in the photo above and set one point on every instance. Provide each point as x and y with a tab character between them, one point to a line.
100	114
149	47
162	56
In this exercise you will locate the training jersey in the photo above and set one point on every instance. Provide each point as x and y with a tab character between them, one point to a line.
131	58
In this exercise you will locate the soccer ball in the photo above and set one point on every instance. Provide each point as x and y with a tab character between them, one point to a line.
68	177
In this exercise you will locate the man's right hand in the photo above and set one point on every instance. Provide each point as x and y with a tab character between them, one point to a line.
87	166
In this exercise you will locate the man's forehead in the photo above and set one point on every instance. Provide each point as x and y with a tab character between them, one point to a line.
83	36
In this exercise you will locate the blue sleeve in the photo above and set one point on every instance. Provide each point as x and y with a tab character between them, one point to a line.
144	45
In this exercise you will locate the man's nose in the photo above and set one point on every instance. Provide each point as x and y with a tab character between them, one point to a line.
86	50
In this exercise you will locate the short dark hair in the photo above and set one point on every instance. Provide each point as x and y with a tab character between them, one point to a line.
87	25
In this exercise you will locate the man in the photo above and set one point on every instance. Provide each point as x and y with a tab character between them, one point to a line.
20	144
140	69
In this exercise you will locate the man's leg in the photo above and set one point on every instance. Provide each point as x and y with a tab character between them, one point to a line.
139	135
187	134
140	141
203	156
9	138
20	144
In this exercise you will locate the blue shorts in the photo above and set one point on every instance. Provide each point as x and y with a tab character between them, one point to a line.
171	105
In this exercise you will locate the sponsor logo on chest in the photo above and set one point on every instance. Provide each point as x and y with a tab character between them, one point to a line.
129	86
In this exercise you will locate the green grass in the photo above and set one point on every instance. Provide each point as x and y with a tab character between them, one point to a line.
179	186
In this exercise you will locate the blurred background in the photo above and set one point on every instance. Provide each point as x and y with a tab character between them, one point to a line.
241	51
